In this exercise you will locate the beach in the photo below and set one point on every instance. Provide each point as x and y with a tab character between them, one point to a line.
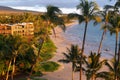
64	72
63	41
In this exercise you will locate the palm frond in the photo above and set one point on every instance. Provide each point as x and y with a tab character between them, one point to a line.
110	66
108	7
67	56
104	75
117	4
81	18
52	10
64	61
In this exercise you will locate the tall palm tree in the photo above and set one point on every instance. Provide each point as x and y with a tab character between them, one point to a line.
92	66
41	37
114	27
104	21
114	13
72	57
87	9
52	19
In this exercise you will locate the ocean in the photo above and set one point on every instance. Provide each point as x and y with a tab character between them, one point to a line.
74	34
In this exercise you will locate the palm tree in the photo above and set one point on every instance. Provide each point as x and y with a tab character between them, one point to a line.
110	75
114	27
41	37
6	54
72	56
16	46
92	66
104	21
88	10
115	22
52	19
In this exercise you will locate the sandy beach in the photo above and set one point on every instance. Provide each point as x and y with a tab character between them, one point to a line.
64	72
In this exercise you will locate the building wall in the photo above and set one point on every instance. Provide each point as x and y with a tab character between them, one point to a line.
23	29
5	29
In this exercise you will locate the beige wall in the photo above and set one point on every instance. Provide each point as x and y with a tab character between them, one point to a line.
24	29
5	29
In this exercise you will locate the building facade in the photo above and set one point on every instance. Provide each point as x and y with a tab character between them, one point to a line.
23	29
5	29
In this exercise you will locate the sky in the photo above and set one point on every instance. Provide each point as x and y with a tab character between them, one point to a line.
67	6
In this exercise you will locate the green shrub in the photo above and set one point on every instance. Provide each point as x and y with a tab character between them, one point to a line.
46	56
47	51
49	66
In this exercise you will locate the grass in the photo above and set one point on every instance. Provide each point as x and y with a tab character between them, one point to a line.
49	66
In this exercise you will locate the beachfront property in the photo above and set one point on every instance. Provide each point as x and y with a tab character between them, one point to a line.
23	29
5	29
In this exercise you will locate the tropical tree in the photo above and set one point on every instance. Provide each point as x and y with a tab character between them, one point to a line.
92	67
114	27
52	19
5	57
72	56
16	46
41	37
26	60
104	21
110	75
115	21
87	9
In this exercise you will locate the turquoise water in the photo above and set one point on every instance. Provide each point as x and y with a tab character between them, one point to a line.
94	33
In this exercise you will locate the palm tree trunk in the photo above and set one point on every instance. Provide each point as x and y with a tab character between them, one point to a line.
93	77
41	44
119	52
13	69
73	71
82	51
54	32
116	46
100	46
119	57
7	75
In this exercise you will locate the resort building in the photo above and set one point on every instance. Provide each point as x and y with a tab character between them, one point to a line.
23	29
5	29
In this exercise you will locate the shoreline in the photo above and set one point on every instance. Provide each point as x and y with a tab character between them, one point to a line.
64	70
61	43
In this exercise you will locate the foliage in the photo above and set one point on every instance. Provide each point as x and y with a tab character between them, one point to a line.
48	66
110	75
73	56
92	66
52	19
47	51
